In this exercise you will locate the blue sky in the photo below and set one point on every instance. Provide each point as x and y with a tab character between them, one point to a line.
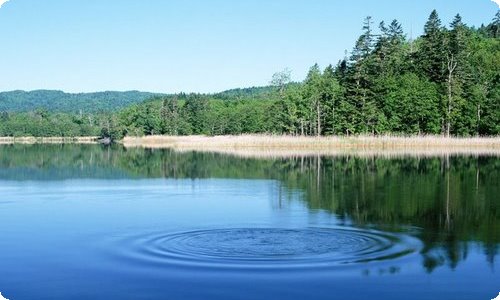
191	45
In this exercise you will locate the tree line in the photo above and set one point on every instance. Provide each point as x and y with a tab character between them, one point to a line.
42	123
446	82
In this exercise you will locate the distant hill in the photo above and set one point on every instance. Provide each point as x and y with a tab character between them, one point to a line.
58	101
259	92
246	93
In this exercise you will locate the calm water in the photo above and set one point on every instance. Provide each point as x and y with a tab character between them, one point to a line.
87	222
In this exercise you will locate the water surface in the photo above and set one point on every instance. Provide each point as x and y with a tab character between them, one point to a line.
89	222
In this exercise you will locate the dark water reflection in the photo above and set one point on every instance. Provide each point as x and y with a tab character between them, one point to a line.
109	223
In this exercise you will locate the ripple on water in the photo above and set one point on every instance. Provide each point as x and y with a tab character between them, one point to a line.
269	247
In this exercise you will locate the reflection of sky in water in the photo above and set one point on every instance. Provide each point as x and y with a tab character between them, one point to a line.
192	239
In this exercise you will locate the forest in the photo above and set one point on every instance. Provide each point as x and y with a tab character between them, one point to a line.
445	82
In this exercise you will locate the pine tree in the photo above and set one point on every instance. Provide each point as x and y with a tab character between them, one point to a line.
360	83
364	44
456	71
432	55
388	50
494	28
395	32
330	94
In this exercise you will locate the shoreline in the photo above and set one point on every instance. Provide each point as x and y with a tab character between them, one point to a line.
49	140
287	146
269	146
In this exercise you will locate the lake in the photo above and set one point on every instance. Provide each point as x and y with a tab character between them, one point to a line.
94	222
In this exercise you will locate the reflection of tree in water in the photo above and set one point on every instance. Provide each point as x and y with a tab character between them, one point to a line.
453	200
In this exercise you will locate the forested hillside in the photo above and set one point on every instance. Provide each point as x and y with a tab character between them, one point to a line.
262	93
446	82
103	113
57	101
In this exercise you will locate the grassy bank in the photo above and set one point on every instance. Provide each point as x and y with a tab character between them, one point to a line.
286	146
269	146
48	140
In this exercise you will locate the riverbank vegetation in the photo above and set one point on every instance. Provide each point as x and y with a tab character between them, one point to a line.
299	146
445	82
49	140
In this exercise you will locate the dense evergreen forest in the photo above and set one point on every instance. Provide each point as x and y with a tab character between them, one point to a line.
446	81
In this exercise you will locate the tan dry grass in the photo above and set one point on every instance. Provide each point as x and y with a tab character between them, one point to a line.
48	140
286	146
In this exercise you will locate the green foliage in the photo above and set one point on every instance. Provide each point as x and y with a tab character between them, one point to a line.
445	82
412	105
41	123
198	114
246	93
432	53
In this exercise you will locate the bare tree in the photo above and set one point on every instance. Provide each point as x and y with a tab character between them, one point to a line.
281	79
452	64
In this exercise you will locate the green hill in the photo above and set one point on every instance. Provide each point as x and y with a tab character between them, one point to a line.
58	101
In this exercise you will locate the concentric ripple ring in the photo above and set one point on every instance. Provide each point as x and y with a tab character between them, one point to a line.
271	247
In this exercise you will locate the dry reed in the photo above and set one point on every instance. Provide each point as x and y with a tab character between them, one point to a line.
48	140
286	146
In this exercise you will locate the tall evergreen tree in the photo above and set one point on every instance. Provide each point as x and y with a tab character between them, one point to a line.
432	54
364	44
457	108
361	82
330	96
494	27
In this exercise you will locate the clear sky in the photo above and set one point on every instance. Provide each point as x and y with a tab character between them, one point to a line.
191	45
